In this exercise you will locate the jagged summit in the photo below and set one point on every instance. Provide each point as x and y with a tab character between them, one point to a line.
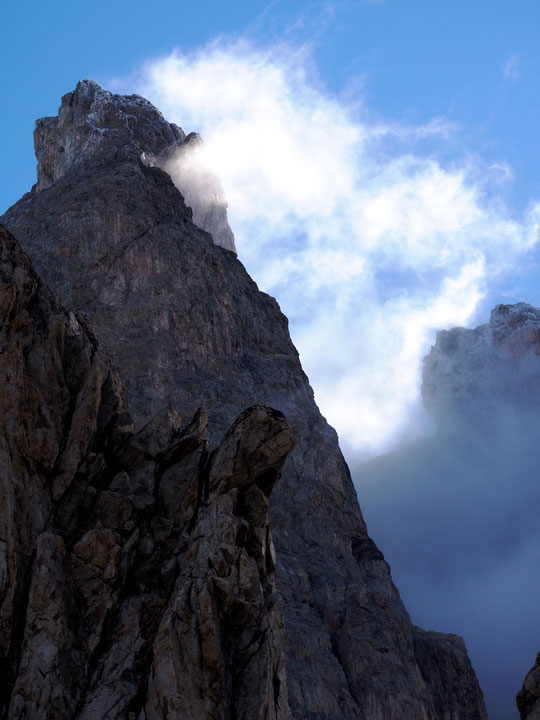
96	126
469	371
513	316
476	480
92	120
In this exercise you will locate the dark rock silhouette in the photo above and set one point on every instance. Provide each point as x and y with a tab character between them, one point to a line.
165	597
528	698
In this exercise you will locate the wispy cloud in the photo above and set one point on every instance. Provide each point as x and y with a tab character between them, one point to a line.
367	243
511	69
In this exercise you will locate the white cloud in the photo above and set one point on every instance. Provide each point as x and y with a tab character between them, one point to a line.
368	248
511	68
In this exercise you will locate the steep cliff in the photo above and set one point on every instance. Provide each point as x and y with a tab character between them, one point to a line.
186	327
137	569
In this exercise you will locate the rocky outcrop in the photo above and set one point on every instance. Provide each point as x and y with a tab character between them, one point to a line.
448	674
59	396
528	698
137	569
174	566
93	123
476	375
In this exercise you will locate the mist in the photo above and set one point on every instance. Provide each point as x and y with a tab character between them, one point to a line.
456	516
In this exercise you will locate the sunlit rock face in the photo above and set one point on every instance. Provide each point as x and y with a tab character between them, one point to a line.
160	550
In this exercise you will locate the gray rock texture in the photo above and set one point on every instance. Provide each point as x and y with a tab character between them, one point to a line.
93	122
447	671
59	395
115	602
528	698
470	374
111	235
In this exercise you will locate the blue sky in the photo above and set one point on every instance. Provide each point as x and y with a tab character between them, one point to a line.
415	61
405	200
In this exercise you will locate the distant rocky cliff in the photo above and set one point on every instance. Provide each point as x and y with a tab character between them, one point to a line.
138	577
485	383
476	374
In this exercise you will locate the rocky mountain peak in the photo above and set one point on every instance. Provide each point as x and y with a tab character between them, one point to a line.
95	125
220	571
469	371
92	120
512	320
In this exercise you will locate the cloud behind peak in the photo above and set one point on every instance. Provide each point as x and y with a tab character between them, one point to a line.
366	238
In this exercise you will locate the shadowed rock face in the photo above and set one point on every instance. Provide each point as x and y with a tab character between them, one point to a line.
186	327
528	698
137	569
59	396
446	670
